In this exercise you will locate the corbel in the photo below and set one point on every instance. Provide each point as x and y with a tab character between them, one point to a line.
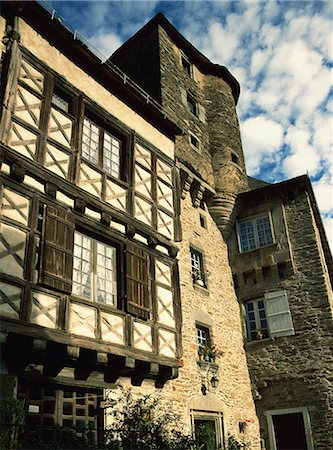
198	195
17	172
79	205
106	218
186	183
50	189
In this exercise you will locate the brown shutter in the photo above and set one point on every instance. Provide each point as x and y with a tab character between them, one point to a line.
137	281
57	250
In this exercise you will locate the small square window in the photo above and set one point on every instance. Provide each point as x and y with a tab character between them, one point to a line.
234	158
187	66
203	221
194	141
202	336
197	269
61	100
192	105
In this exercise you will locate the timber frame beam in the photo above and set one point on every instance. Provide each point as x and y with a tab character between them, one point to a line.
19	351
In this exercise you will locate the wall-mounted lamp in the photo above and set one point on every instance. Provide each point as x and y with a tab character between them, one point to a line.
208	373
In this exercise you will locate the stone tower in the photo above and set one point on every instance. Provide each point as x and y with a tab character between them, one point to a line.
203	97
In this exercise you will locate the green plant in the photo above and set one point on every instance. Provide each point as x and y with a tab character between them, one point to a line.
211	351
144	423
233	444
12	419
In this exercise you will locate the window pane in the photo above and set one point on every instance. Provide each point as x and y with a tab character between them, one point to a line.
111	155
82	266
106	278
247	237
264	231
90	140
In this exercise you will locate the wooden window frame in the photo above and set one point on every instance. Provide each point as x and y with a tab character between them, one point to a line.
187	66
93	298
217	418
205	329
251	335
103	129
197	258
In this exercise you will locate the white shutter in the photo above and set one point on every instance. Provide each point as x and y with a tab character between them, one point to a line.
183	94
278	314
202	114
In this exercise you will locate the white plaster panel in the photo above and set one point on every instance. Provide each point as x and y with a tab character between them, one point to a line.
82	320
56	161
10	300
167	343
44	309
165	224
90	180
60	127
32	77
143	211
15	206
162	273
165	306
115	195
143	156
12	250
142	339
22	140
27	107
113	328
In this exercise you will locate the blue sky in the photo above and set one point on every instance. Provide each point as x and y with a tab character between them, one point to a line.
281	53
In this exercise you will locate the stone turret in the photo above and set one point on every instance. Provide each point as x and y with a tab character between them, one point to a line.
202	96
226	152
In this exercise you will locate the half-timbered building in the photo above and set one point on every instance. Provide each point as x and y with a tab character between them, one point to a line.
133	243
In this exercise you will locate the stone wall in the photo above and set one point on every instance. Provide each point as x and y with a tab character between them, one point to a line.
296	371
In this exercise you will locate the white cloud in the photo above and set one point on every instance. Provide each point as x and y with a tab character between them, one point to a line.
106	42
324	194
262	138
303	158
328	225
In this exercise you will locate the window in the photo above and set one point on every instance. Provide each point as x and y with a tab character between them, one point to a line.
94	270
208	430
192	105
269	316
194	142
61	100
187	66
203	336
256	322
50	406
234	157
254	233
197	270
203	222
101	148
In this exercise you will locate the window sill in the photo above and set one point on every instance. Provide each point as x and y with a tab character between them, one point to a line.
256	251
202	289
256	342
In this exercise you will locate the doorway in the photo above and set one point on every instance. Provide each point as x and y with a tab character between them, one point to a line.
290	429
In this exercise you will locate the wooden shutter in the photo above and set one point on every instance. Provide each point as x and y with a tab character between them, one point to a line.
57	250
201	113
137	281
278	314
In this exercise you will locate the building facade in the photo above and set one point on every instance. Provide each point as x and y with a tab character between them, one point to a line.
133	243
